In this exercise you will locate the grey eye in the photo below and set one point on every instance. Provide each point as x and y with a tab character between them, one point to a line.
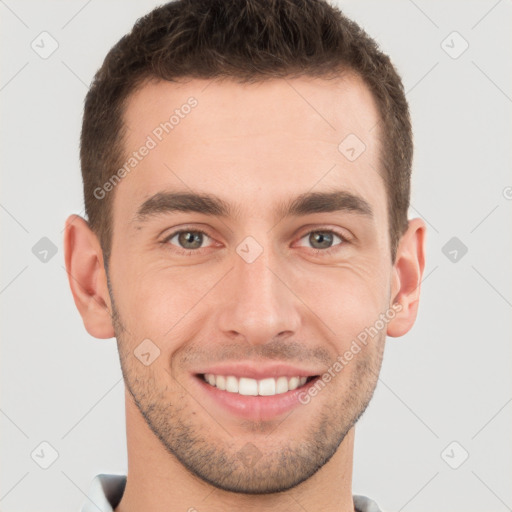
321	239
189	239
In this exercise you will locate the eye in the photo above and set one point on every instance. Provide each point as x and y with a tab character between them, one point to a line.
189	240
322	240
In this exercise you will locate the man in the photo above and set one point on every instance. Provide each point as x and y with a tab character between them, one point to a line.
246	172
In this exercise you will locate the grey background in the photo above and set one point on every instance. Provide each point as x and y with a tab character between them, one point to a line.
447	380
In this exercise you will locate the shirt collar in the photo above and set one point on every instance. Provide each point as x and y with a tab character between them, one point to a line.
105	493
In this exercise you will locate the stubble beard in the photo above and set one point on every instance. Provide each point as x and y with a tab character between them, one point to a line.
210	453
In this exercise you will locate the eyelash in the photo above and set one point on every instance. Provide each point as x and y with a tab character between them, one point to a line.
191	252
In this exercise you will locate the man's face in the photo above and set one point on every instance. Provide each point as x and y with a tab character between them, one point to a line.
262	293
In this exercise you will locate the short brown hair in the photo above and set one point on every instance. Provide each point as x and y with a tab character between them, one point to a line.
248	41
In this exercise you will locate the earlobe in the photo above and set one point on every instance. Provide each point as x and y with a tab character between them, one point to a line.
407	275
87	277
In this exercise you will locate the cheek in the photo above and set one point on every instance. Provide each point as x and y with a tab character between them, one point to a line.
155	299
347	299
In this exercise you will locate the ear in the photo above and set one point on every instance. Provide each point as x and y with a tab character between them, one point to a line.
407	276
87	277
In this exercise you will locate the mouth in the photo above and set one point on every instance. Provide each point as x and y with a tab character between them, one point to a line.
256	399
246	386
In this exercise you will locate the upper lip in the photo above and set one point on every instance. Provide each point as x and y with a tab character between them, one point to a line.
258	371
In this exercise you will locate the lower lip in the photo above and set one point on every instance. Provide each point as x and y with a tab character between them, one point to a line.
251	407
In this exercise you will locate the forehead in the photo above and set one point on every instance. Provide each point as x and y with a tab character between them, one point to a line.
251	144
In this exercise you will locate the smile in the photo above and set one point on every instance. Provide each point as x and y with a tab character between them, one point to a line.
253	387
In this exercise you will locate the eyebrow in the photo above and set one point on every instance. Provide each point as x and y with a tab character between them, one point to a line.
163	203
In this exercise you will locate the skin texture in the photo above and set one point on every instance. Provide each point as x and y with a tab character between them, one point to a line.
254	146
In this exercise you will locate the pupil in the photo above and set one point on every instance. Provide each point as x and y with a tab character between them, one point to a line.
190	237
321	238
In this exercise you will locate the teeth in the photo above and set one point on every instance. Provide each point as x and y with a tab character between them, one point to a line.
267	387
220	382
248	386
253	387
231	384
293	383
282	385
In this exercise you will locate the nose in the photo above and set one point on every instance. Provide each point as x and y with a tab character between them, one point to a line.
258	302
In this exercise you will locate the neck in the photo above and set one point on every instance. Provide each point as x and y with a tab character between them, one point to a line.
158	482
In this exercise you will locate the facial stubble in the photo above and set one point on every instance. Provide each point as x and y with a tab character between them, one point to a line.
207	448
